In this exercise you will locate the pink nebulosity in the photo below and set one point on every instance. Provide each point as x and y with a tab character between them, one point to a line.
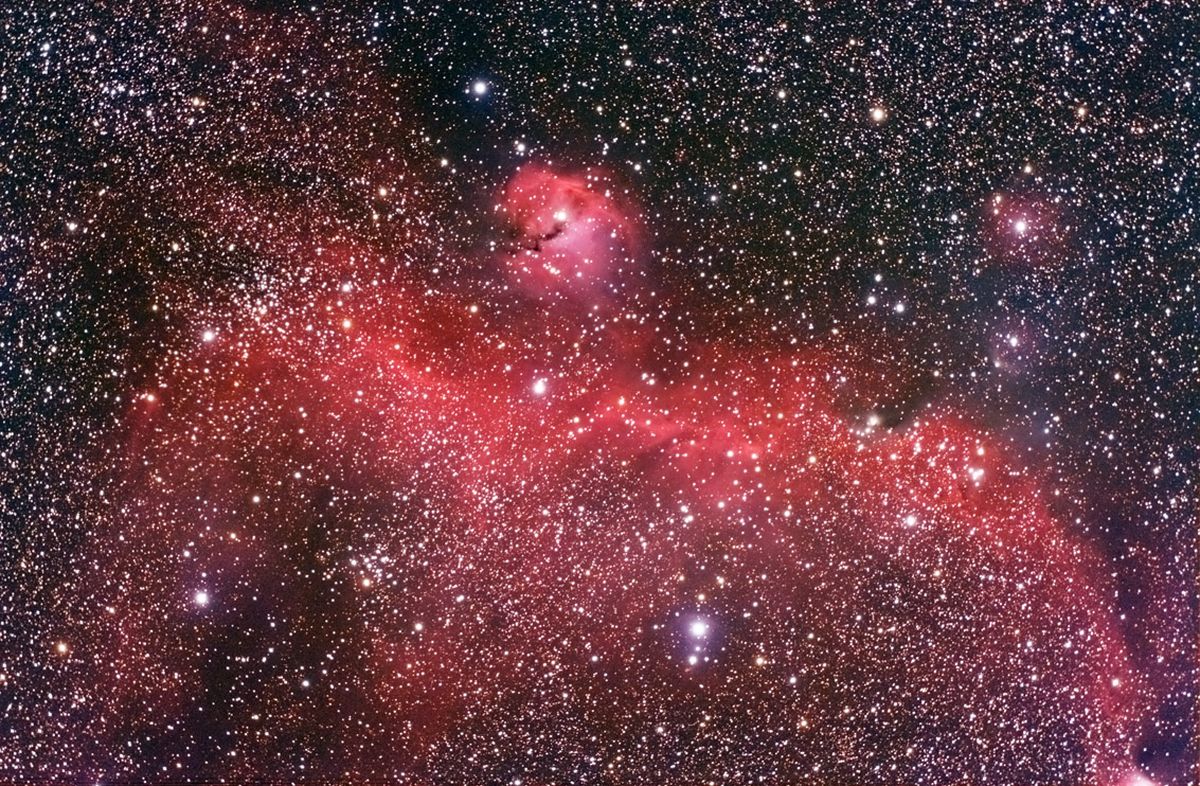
1027	229
572	231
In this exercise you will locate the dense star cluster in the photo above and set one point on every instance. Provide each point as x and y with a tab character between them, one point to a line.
622	393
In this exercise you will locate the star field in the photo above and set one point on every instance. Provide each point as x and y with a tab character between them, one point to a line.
638	393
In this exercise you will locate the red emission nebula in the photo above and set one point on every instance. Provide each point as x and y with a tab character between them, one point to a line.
514	540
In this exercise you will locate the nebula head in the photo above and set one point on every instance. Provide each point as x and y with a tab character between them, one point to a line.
570	233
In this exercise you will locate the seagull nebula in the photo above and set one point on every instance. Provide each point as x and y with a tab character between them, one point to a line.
599	393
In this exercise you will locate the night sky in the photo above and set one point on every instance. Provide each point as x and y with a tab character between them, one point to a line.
599	393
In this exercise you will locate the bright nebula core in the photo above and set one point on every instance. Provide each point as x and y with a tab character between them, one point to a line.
618	393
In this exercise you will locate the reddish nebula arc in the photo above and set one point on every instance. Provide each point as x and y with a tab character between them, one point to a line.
519	550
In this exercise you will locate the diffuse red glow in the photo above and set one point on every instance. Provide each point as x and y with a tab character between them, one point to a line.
529	535
572	232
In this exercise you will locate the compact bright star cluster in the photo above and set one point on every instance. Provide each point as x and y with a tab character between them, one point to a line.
631	393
